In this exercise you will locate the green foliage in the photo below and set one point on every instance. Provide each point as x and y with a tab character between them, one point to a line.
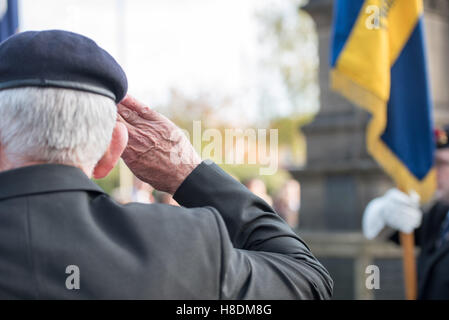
111	181
246	172
291	138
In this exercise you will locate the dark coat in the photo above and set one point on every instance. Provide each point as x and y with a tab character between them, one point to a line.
433	263
224	243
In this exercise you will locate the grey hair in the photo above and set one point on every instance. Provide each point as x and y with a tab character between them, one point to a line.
54	125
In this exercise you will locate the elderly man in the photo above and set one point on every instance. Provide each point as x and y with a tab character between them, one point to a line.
61	236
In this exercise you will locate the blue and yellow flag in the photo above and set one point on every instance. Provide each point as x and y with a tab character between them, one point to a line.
378	62
9	18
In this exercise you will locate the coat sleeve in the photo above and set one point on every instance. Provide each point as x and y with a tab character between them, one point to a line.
261	257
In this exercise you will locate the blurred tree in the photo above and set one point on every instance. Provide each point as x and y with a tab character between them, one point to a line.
290	86
290	46
183	110
292	143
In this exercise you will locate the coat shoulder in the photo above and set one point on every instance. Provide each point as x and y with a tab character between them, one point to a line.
157	219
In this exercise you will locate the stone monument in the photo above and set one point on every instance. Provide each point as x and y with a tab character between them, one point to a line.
340	177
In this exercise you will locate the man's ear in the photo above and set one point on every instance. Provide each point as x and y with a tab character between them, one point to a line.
112	155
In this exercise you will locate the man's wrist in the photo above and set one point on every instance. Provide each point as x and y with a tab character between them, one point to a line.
182	173
204	174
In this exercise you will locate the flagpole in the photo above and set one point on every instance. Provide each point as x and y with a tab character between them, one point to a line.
409	265
407	241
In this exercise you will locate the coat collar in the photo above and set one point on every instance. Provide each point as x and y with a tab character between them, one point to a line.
44	178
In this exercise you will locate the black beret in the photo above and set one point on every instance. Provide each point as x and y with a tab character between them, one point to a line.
56	58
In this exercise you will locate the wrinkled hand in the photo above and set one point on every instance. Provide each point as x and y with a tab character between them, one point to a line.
158	152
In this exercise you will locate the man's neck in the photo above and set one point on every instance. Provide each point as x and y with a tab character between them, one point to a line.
5	166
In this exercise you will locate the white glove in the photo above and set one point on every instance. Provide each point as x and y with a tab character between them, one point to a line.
395	209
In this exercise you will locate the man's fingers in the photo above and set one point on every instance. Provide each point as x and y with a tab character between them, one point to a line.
120	119
128	115
141	109
128	125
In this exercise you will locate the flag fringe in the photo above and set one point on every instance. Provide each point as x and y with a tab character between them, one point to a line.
394	167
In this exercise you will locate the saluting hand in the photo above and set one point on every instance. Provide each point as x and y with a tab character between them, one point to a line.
158	152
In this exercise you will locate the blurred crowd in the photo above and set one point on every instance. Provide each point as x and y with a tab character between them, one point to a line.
286	201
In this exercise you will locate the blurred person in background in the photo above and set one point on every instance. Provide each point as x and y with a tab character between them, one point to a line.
258	187
398	211
139	192
287	202
164	197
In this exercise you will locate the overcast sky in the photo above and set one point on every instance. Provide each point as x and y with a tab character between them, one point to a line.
195	45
